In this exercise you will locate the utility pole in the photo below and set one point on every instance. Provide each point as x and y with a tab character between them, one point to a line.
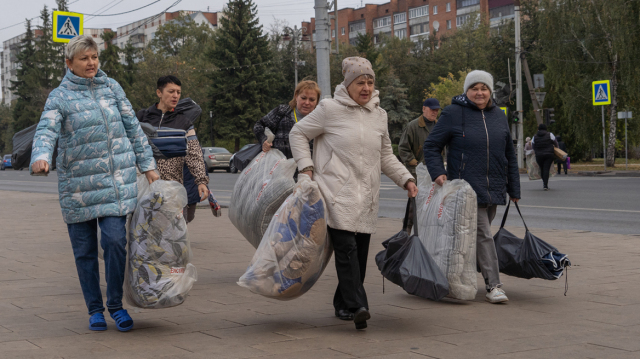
536	106
335	12
520	128
323	44
297	36
213	137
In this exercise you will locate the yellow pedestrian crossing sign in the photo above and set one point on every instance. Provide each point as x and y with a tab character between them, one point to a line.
67	25
601	93
505	110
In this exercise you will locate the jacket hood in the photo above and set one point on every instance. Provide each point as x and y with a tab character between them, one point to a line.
342	95
464	101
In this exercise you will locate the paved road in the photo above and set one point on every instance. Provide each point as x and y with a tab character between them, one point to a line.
607	205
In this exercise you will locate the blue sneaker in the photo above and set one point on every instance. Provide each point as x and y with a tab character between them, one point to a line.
123	320
97	322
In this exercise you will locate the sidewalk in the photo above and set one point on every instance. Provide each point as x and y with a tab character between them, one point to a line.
42	313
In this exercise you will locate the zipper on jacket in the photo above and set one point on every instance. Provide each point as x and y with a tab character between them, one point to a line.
161	118
106	124
487	132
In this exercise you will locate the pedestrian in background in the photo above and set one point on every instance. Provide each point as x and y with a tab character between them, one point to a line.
351	148
560	162
100	146
480	151
528	147
412	142
543	143
164	114
282	118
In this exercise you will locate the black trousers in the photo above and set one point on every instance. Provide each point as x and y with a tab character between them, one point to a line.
545	162
351	252
562	164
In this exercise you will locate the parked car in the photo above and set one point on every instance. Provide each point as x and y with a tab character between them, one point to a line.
217	158
233	168
6	162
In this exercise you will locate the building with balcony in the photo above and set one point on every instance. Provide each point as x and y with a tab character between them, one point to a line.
412	19
141	32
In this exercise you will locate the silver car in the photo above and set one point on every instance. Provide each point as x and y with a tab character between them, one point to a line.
217	158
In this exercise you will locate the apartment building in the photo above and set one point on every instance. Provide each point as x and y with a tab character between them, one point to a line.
413	19
9	66
141	32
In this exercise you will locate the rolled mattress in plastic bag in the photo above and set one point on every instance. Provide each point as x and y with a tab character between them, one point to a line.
259	191
159	273
533	170
448	217
295	249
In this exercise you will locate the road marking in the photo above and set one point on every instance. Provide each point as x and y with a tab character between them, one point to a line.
584	209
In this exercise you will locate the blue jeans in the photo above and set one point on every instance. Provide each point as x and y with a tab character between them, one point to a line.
84	241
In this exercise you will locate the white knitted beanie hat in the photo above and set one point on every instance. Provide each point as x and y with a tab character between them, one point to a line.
478	76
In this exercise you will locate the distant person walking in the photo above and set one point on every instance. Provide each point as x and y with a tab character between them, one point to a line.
561	163
543	143
412	141
480	152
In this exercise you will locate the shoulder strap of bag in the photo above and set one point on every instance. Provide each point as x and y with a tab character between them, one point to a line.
405	221
415	214
506	212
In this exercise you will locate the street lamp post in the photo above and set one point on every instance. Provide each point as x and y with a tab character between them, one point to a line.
297	36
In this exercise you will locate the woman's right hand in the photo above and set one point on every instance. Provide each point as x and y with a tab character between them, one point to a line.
40	166
266	146
440	180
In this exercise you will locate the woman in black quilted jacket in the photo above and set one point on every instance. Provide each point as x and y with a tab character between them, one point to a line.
480	151
282	118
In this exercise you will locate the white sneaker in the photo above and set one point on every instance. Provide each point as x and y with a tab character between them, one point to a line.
496	295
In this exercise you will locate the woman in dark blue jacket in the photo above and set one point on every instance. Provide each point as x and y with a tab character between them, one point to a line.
480	151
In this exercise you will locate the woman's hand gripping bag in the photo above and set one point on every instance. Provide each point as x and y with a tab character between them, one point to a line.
259	191
448	218
159	273
295	248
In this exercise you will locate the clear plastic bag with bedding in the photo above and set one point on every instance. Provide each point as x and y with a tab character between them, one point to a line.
259	191
448	217
295	249
159	272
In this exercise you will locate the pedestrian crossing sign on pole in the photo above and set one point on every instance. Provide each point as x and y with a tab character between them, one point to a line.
601	93
67	25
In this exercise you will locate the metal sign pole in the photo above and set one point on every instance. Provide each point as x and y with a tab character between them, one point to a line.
604	144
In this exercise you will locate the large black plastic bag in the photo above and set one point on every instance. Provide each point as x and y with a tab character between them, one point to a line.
22	143
242	158
530	257
407	263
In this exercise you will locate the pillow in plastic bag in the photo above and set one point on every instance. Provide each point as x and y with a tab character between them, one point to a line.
159	271
259	191
448	218
533	170
295	249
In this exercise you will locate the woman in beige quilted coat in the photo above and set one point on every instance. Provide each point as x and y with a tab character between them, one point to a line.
351	148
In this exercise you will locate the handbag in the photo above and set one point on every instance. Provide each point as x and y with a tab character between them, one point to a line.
560	154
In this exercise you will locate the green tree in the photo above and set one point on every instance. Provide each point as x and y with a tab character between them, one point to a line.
447	88
129	67
61	5
584	41
393	99
46	56
110	57
6	129
240	89
31	98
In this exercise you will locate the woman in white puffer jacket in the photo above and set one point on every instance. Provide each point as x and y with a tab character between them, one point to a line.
351	148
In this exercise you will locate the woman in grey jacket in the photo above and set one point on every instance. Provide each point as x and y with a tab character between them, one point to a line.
351	148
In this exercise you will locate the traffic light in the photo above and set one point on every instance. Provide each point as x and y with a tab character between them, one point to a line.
548	116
